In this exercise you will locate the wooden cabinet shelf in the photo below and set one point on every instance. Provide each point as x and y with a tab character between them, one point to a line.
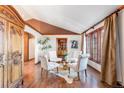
62	46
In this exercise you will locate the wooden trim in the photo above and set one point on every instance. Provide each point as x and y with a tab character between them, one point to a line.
97	47
47	33
8	13
33	28
82	41
16	14
48	29
100	28
116	11
26	46
62	34
121	7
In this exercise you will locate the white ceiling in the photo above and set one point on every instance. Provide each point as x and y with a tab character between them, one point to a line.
76	18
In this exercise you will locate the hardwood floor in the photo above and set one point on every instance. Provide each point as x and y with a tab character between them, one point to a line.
34	79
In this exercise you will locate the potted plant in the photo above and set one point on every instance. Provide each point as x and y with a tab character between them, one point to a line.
65	56
44	42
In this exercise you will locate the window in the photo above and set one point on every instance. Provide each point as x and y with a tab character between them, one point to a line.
94	44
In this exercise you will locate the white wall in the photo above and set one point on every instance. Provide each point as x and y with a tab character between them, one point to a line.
37	36
121	35
53	42
31	48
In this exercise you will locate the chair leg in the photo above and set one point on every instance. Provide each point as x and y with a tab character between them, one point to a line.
41	70
69	70
86	73
22	82
78	75
57	69
46	73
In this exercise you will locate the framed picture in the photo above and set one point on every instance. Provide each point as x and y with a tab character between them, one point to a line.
74	44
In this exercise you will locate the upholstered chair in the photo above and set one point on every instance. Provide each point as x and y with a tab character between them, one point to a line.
53	56
80	65
46	65
73	56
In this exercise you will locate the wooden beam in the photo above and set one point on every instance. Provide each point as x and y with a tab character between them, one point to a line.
33	28
121	7
46	28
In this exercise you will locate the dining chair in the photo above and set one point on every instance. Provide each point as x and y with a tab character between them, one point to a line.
80	65
46	65
53	56
73	56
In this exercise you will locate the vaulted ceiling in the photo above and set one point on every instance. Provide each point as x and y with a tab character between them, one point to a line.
75	18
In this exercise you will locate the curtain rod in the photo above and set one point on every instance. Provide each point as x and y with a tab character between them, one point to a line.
119	9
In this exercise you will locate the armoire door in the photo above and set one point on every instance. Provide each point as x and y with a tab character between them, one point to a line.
14	54
11	47
3	51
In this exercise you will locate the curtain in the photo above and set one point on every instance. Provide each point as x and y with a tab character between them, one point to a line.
118	52
82	42
108	69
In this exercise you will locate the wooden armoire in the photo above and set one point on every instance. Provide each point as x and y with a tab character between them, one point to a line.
11	47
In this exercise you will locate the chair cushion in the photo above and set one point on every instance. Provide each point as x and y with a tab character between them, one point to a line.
56	59
73	66
72	60
52	65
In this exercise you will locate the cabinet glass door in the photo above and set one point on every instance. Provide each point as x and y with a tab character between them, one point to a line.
14	54
2	51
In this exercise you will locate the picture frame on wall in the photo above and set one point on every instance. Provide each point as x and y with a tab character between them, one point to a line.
74	44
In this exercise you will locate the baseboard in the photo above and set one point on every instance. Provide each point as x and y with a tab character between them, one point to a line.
94	65
31	59
37	63
94	69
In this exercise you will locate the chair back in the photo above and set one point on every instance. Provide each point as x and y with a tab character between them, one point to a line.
52	55
75	54
44	62
82	62
78	62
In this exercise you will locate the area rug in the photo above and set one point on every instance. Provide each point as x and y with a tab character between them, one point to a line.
65	74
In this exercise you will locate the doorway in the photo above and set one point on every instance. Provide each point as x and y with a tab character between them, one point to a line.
29	47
